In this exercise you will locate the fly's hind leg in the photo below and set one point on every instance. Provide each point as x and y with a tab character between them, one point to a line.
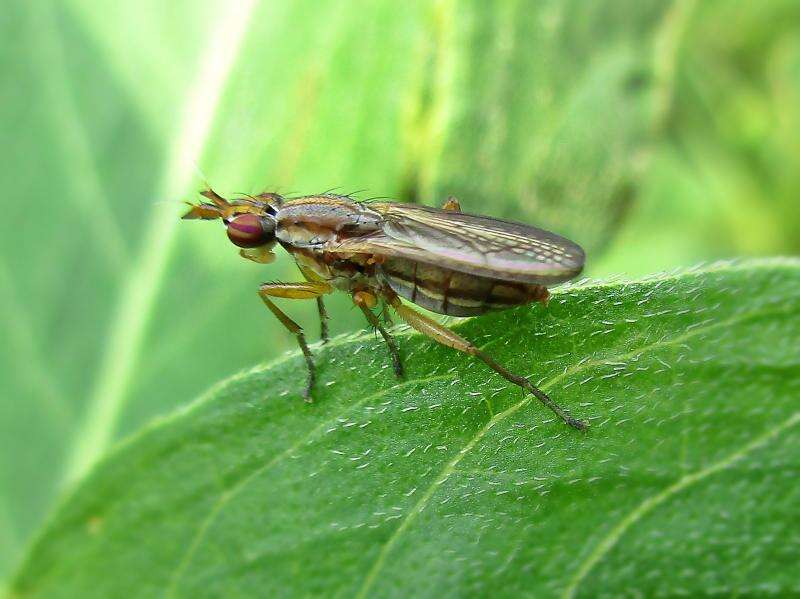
366	301
308	290
445	336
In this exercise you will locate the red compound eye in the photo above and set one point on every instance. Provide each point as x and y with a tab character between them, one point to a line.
247	231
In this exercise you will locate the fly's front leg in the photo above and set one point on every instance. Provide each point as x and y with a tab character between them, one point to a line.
452	204
310	275
366	301
308	290
445	336
260	255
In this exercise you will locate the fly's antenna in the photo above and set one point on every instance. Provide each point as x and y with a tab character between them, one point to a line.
218	208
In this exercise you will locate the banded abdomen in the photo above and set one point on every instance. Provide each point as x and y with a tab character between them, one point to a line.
454	293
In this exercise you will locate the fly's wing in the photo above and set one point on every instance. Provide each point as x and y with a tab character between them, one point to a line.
470	244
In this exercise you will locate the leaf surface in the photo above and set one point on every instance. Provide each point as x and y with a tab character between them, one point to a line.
452	482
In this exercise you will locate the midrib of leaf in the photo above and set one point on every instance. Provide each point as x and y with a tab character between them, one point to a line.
450	467
608	542
88	195
142	284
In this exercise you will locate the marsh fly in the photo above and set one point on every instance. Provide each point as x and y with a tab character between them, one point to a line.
443	260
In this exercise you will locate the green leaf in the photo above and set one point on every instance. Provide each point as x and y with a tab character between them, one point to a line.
453	482
510	116
112	311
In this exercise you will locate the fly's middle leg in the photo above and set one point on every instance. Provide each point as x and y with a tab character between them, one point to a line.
445	336
308	290
366	301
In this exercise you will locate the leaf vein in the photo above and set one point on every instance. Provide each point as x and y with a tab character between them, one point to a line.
451	466
228	494
138	297
607	543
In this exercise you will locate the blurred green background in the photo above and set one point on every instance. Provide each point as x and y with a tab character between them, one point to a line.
657	134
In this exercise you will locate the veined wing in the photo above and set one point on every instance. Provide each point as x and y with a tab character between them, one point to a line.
471	244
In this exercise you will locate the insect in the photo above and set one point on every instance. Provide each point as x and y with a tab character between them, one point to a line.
444	260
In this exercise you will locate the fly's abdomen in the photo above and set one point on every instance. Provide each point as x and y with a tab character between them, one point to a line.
454	293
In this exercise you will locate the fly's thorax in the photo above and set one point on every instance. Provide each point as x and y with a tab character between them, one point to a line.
315	220
454	293
345	272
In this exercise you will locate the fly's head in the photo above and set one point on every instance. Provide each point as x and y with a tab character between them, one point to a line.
250	222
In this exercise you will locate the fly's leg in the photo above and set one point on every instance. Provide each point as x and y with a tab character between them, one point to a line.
445	336
313	277
260	255
385	315
366	301
452	204
323	320
308	290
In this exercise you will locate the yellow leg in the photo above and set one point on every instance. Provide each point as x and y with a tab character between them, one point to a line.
452	204
445	336
261	255
310	275
365	301
307	290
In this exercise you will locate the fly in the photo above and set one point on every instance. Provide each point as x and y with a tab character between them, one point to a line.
444	260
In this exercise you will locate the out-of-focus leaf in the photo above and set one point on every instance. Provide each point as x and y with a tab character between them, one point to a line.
91	194
453	483
538	112
114	312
